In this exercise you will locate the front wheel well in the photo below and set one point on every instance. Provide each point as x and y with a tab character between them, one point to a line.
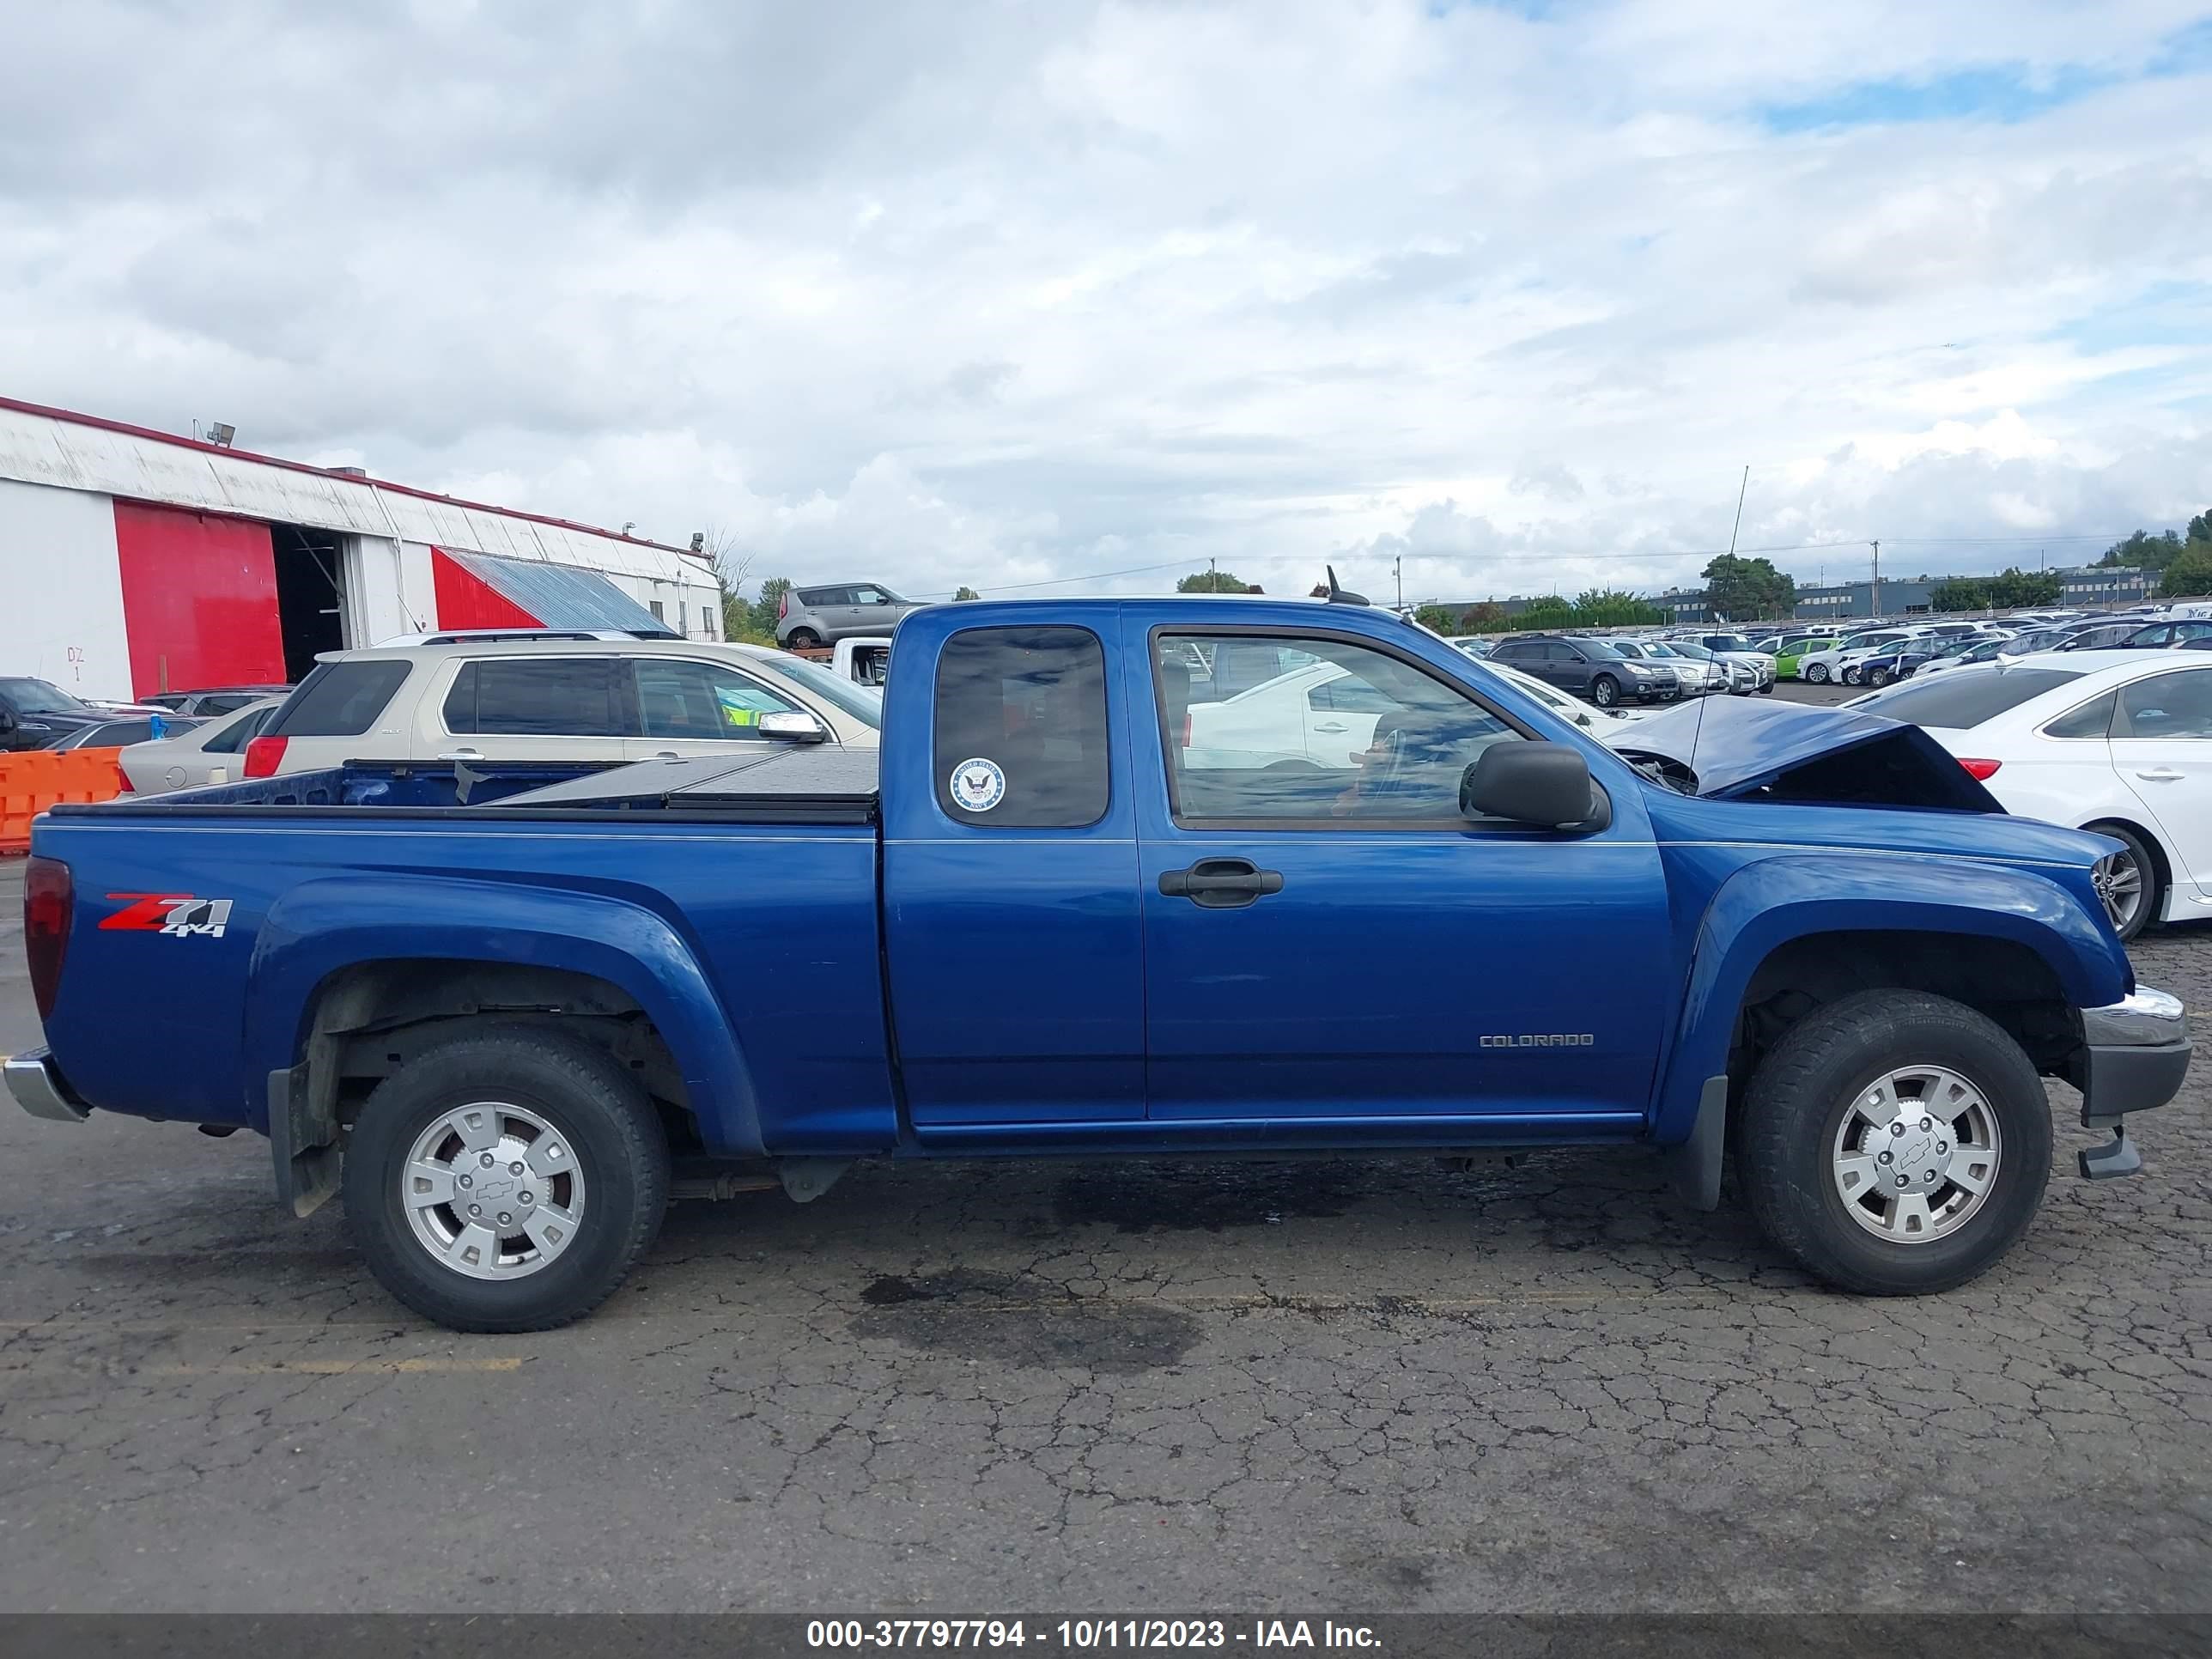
2003	979
365	1022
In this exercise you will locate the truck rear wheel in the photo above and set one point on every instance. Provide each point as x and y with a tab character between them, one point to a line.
1895	1144
506	1180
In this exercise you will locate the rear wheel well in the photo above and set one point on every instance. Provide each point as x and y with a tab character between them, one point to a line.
2001	978
366	1022
2158	858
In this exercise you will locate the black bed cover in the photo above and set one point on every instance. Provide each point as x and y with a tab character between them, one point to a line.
811	783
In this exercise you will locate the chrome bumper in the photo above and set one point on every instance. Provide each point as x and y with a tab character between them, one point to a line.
2134	1053
39	1089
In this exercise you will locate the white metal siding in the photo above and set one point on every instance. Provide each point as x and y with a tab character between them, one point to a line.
61	590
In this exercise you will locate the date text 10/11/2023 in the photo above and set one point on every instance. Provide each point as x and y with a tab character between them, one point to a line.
1086	1634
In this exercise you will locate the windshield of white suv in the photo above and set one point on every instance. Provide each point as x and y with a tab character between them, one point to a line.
865	703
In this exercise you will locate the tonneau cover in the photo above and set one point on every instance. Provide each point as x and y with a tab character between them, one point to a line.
814	783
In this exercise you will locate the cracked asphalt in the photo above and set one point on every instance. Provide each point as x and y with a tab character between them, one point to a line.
1334	1386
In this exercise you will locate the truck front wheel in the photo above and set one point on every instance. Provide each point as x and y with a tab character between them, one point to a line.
506	1180
1895	1144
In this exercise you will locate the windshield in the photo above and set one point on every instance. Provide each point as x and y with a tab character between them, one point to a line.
865	703
1628	648
1955	702
28	696
1599	651
1696	653
1726	642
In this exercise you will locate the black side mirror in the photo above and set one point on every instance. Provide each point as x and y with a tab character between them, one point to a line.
1547	783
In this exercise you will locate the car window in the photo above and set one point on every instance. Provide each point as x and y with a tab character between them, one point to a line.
870	596
2166	706
865	703
1956	702
340	699
1263	761
542	697
1349	693
30	697
1516	652
680	699
1020	741
2093	719
1595	651
232	738
818	596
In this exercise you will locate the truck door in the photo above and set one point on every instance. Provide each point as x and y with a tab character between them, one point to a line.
1337	941
1010	875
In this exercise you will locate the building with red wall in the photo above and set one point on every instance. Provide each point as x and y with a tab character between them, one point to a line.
133	561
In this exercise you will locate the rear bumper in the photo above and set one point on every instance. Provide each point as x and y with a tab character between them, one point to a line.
2134	1053
37	1087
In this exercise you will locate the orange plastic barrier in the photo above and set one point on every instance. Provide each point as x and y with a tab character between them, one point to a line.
31	782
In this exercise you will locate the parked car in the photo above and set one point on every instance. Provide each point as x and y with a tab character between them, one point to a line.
1735	648
2103	636
34	712
863	658
1590	669
1476	644
114	734
1820	667
1912	656
1603	724
1032	923
557	696
1792	652
2119	742
197	752
2166	635
1695	678
1727	674
217	700
1969	653
808	616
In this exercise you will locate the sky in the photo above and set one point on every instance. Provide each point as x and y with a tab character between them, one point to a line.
1067	297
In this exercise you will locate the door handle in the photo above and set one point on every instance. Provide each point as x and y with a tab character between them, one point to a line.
664	754
1221	884
2160	774
461	754
1333	725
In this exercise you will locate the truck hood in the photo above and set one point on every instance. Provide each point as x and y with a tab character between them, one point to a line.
1735	750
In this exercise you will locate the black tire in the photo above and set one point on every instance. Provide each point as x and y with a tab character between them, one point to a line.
2151	889
1796	1104
804	639
1817	673
1604	691
1851	675
1877	677
620	1151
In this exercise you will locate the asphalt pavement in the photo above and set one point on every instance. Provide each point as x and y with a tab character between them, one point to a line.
960	1389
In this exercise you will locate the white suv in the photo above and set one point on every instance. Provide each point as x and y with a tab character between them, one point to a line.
544	696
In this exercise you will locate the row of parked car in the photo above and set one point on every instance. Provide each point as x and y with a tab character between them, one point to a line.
1878	654
1610	671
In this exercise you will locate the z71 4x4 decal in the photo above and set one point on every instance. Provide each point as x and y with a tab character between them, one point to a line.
179	915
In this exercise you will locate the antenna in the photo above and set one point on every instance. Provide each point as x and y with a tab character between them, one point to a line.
1342	595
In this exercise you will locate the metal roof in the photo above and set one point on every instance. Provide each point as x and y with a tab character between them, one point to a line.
561	596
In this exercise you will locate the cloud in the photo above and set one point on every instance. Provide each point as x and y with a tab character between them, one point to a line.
999	294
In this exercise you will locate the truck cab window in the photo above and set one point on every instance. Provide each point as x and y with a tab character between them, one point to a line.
1020	739
1349	734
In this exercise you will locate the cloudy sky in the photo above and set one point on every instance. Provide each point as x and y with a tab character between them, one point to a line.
1011	293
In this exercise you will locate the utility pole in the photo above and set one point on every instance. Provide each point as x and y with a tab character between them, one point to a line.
1398	575
1875	608
1213	579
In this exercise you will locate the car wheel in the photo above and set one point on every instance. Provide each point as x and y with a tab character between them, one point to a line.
1851	675
1877	677
1817	673
2127	881
506	1180
1605	691
804	639
1895	1144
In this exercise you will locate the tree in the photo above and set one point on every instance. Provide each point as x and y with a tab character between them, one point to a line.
1212	582
1741	589
1613	607
2013	588
1488	617
2200	527
2144	551
764	608
1959	593
965	593
1548	612
2190	574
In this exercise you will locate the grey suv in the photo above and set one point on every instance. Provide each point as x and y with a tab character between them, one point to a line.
808	616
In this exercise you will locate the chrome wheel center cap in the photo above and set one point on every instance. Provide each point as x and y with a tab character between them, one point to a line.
1918	1154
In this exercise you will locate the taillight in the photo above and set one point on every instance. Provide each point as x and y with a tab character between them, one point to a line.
783	605
1981	768
264	756
122	780
49	897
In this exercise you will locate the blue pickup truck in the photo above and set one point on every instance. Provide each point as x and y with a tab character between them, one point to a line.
1091	900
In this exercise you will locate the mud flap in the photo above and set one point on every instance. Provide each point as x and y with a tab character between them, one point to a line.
1694	1167
303	1143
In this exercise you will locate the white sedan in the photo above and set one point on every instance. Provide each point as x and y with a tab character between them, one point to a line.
2119	742
213	752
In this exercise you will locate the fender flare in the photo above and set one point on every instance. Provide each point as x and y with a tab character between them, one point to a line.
1768	905
323	927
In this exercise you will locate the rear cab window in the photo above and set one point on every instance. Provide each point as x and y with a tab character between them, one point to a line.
340	699
1020	738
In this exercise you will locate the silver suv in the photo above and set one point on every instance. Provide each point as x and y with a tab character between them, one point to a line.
808	616
547	696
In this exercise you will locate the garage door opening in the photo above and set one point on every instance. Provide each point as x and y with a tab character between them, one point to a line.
310	594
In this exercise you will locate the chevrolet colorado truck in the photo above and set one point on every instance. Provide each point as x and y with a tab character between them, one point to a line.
505	1010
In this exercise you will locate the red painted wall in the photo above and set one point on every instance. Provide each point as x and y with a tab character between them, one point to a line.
467	600
199	599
